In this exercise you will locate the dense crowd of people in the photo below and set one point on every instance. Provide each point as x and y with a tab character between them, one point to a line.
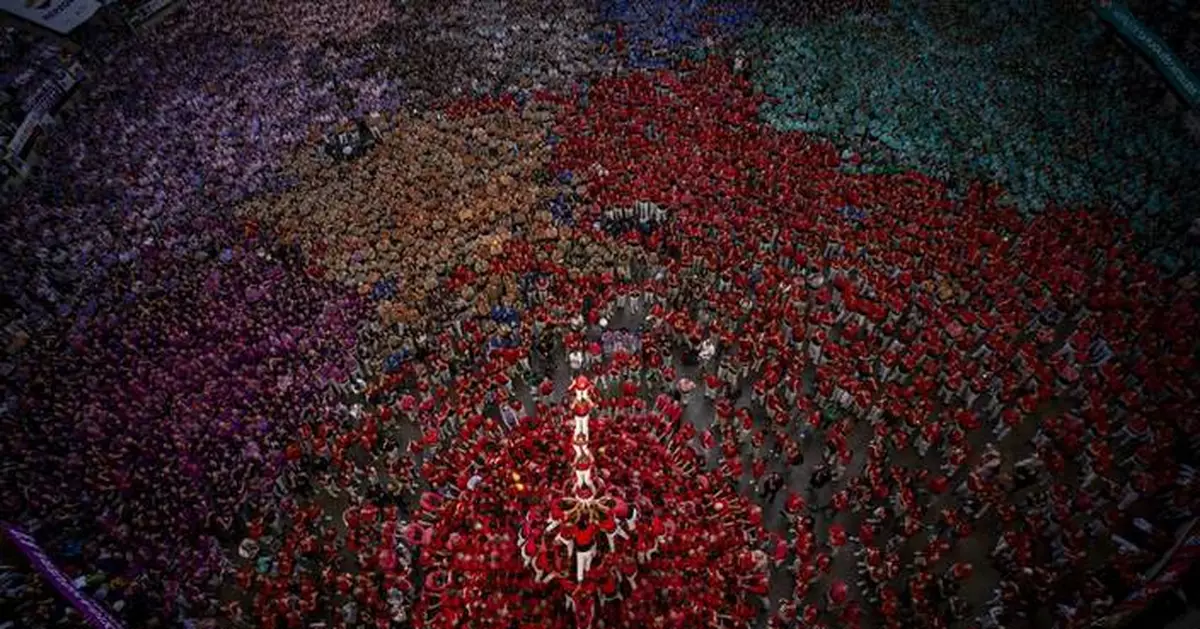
561	353
964	95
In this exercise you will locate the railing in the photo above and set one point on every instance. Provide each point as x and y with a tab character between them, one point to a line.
1170	65
96	616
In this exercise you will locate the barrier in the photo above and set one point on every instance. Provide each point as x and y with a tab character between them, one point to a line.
1133	30
1165	575
96	616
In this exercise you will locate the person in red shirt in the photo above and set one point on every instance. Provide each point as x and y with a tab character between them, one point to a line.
837	538
931	432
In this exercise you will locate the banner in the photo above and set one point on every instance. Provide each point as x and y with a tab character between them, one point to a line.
140	13
54	90
41	107
24	135
1132	29
60	16
96	616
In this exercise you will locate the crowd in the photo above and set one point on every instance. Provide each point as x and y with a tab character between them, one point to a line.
1055	111
613	353
440	193
149	427
916	331
651	34
147	342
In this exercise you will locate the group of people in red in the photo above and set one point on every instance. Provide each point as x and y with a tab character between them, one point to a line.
929	411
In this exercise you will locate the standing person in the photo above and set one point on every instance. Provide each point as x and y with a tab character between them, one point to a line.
770	487
821	476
